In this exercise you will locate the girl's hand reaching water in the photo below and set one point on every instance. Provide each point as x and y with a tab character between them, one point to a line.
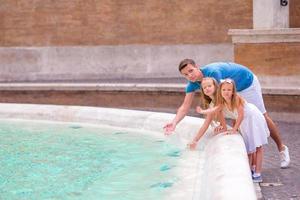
192	145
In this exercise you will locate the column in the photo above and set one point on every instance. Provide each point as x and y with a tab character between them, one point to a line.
270	14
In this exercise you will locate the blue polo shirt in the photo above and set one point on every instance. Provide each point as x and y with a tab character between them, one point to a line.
241	75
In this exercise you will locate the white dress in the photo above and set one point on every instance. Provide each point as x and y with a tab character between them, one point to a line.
253	128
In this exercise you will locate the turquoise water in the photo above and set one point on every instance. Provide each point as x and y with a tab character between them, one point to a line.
66	161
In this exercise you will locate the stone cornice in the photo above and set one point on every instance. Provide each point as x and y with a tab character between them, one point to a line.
265	35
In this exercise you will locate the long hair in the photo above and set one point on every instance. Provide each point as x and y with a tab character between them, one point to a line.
206	100
236	99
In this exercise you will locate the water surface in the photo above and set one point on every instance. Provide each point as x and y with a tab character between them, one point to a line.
73	161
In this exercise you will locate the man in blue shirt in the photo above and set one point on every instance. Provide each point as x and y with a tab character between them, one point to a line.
247	85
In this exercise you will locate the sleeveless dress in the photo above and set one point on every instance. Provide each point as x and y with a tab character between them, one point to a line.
253	128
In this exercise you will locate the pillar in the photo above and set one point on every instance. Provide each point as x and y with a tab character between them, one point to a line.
270	14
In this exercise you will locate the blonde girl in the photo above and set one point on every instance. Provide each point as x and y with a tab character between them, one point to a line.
246	118
208	100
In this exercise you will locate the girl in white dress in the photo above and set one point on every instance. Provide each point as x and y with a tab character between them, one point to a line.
249	120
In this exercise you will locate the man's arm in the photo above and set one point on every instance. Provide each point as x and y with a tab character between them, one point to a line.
181	113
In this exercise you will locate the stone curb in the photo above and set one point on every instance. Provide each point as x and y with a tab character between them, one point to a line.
167	87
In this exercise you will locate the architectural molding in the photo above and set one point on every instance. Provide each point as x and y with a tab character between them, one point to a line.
282	35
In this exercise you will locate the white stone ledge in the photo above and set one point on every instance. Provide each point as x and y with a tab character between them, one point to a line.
282	35
218	181
131	87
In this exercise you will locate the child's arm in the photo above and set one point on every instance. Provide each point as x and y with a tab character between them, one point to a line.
239	119
233	122
221	119
204	127
213	110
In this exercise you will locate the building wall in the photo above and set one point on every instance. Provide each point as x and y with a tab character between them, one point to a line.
95	63
69	40
273	59
294	13
115	22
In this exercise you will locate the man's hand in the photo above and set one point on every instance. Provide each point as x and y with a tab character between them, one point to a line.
169	128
